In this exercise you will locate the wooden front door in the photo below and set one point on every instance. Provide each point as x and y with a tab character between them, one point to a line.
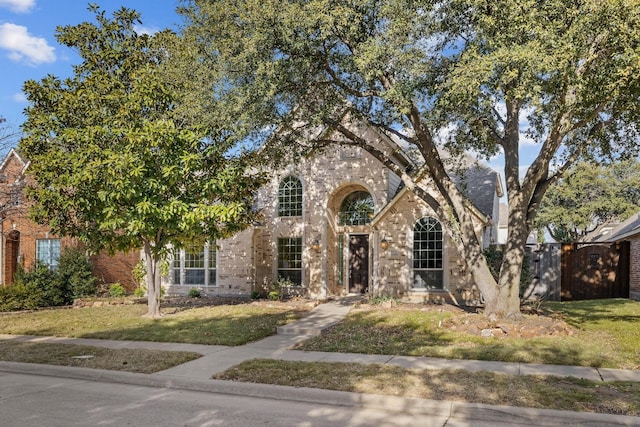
11	254
358	263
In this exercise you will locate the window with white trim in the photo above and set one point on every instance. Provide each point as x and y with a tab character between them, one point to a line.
194	266
48	252
428	254
290	197
290	259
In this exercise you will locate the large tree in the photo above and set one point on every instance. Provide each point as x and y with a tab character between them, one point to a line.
475	75
588	196
113	161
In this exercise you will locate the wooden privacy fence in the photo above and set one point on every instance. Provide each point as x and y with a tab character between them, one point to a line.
594	271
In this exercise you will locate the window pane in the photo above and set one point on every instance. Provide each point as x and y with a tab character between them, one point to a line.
48	252
190	266
427	254
194	277
427	279
290	259
356	209
290	197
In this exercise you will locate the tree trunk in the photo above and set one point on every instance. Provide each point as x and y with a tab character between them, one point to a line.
508	304
152	262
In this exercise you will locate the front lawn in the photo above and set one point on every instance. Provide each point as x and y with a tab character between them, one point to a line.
569	394
215	325
605	334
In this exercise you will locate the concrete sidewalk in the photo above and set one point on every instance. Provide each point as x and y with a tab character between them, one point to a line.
195	375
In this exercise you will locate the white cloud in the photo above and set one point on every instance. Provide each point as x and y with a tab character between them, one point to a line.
141	29
23	47
18	6
19	97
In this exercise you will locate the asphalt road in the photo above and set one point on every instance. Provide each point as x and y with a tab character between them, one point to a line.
32	400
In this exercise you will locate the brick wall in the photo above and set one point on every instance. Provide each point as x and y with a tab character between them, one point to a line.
116	268
634	268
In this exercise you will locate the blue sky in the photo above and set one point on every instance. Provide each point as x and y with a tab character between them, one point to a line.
29	50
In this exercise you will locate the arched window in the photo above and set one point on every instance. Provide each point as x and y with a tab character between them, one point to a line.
356	209
290	197
427	254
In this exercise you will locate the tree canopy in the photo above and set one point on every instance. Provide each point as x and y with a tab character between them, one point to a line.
469	75
114	161
590	195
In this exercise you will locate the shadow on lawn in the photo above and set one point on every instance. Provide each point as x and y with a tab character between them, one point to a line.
232	330
420	334
581	313
212	325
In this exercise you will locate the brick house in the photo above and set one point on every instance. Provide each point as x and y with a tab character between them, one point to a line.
26	243
340	222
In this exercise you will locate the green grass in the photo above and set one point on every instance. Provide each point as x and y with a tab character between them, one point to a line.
218	325
129	360
478	387
606	335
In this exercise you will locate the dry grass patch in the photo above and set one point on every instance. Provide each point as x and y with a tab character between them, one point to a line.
129	360
457	385
600	333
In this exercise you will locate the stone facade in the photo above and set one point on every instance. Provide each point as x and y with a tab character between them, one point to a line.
381	248
21	236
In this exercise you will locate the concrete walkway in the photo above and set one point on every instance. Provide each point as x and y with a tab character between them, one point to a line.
197	373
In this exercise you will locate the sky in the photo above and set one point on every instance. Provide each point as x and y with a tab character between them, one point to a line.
29	50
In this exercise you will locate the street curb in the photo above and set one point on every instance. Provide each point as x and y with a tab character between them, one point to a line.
457	410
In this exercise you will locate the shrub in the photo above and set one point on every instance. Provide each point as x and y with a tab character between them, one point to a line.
194	293
116	290
274	295
139	292
379	300
75	271
45	285
19	297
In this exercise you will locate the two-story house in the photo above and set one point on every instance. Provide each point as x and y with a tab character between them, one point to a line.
340	222
27	243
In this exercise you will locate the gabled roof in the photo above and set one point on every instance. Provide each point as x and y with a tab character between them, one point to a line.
13	153
628	228
479	184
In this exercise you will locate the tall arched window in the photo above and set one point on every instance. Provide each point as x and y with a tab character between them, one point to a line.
427	254
290	197
356	209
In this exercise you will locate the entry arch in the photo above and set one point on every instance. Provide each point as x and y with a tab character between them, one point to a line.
351	208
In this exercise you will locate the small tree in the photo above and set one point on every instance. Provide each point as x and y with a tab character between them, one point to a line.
588	196
112	161
76	272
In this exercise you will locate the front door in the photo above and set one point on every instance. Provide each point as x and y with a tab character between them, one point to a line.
358	263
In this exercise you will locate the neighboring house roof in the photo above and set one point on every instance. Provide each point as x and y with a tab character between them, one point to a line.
480	184
628	228
13	153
